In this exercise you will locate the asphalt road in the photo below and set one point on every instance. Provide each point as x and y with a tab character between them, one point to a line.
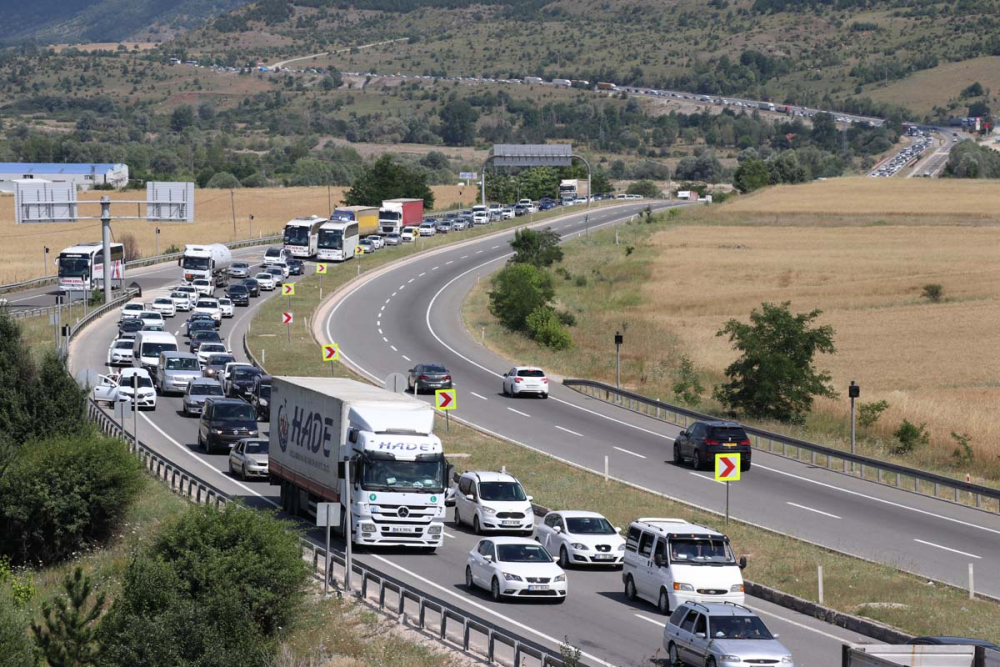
412	314
596	617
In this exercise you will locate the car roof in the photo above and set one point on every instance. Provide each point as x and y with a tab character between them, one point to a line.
674	526
129	372
205	380
527	368
507	539
490	476
179	355
722	423
573	514
721	608
227	401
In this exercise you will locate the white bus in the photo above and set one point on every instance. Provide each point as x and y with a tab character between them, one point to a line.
301	235
81	267
337	240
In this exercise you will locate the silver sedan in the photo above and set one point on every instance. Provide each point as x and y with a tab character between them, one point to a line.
248	458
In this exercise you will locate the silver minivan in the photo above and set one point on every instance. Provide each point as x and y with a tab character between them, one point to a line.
176	371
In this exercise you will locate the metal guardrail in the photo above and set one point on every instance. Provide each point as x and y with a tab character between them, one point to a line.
913	480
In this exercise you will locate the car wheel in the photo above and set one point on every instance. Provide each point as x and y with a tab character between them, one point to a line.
629	588
201	441
545	395
698	463
504	390
710	663
468	578
677	454
476	528
495	590
458	519
672	658
744	467
663	604
243	472
563	558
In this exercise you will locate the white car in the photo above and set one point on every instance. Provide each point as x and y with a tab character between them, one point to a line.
131	310
120	352
526	380
515	567
226	306
206	350
114	388
408	234
164	305
285	271
210	306
191	291
507	213
493	501
427	229
266	281
203	286
480	217
151	317
581	538
377	241
272	255
181	301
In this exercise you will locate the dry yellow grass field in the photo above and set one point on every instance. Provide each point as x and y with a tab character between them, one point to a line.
933	362
271	209
923	90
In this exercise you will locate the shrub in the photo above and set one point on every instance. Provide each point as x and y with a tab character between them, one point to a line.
545	328
933	292
909	436
68	636
963	450
223	180
171	249
518	289
566	318
64	494
15	638
581	280
540	249
869	413
688	388
131	250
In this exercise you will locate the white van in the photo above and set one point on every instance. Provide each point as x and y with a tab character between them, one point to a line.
147	348
669	562
480	215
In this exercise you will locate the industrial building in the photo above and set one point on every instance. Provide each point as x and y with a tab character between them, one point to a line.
83	175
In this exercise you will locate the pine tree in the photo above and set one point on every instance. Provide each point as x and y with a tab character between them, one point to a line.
67	640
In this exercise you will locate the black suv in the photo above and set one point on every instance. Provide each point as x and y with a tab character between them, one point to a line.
260	397
224	421
703	440
241	381
239	294
252	286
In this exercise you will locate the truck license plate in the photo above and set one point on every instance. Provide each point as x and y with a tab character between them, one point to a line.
403	529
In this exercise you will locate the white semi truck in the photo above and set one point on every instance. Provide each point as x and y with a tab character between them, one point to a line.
210	262
398	473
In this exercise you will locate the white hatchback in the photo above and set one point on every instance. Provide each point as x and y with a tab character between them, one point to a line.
581	538
515	567
132	309
164	305
266	281
206	350
226	306
120	352
526	380
210	306
182	300
203	286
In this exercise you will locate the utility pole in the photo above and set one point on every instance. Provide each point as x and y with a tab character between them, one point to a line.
251	226
232	202
619	339
106	239
854	391
157	241
349	527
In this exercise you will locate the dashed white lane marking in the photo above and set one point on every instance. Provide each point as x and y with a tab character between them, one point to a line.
954	551
706	478
627	452
410	280
450	261
435	268
478	396
421	275
810	509
394	348
380	331
177	333
463	256
406	357
393	294
569	431
449	535
479	252
494	247
402	287
523	414
649	620
384	338
378	323
382	308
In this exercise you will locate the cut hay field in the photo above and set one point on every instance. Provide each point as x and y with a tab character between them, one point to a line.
934	363
271	208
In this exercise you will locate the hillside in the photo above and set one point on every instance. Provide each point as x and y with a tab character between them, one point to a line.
71	21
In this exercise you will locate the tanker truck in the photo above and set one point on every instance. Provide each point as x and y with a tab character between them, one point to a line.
210	262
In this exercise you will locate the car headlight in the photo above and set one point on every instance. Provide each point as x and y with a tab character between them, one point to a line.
683	587
489	510
560	577
219	431
263	401
736	588
729	658
511	577
579	547
621	547
253	434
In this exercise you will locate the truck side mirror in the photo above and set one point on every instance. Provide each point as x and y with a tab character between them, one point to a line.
743	562
353	436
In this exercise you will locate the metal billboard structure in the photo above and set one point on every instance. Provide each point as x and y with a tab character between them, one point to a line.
42	201
532	155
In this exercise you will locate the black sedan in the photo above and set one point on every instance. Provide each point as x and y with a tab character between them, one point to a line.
241	384
428	377
131	325
295	266
203	336
239	294
252	286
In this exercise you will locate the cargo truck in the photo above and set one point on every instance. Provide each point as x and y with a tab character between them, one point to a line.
365	216
571	188
324	428
210	262
398	213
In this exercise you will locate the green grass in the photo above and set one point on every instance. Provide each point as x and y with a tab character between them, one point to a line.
851	585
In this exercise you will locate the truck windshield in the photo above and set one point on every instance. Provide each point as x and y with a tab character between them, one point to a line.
331	239
701	551
296	236
390	216
195	263
74	266
387	475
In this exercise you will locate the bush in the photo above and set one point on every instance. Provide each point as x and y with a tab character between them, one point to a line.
963	450
131	244
647	189
909	436
171	249
566	318
545	328
933	292
869	413
15	639
581	280
688	388
65	494
517	290
223	180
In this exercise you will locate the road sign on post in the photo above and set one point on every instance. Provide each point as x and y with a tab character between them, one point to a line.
444	399
321	269
286	319
331	352
727	469
288	289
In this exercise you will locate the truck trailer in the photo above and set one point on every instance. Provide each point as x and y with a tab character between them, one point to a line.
365	216
398	213
571	188
322	429
210	262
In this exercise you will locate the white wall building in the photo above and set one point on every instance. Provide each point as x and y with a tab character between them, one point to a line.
84	176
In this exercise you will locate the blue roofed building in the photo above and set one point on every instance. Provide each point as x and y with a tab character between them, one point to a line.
83	175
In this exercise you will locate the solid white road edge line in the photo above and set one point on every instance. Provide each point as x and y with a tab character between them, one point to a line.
810	509
954	551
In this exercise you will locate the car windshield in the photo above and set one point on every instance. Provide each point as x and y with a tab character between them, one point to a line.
272	252
201	283
123	344
522	553
74	266
701	551
207	303
206	336
264	391
225	302
264	276
129	382
206	390
181	364
221	359
501	491
150	315
384	474
234	412
589	525
275	271
256	447
237	289
240	265
196	263
208	348
738	627
164	301
431	368
244	373
530	374
178	295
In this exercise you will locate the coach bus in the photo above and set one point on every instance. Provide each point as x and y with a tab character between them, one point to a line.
81	267
337	240
301	236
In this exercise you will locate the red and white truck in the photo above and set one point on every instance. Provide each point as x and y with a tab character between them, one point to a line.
398	213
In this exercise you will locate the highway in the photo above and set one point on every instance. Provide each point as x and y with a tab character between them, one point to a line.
596	617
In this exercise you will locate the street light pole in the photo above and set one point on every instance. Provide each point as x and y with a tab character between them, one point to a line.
106	241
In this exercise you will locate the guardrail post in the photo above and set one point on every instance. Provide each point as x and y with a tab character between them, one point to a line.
402	600
517	653
444	624
490	646
465	634
421	611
